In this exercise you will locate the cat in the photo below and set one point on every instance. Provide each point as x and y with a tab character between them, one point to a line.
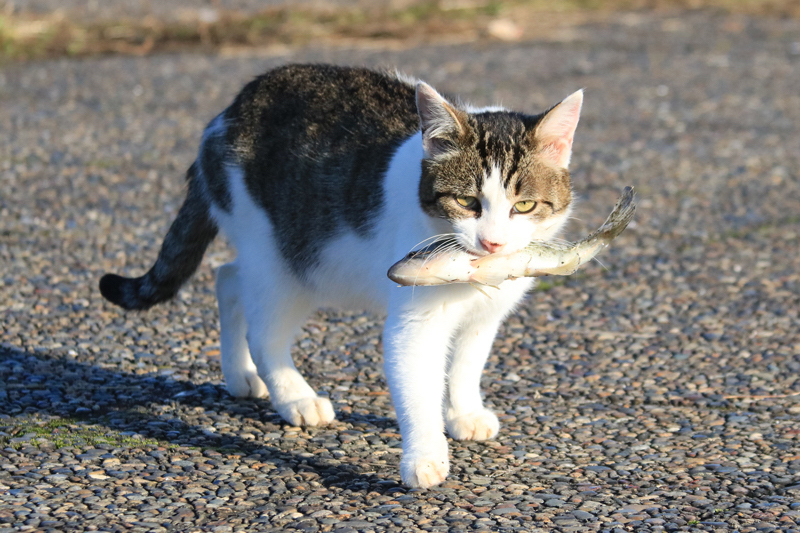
322	177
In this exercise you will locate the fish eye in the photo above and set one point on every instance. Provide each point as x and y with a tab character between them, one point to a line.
470	202
526	206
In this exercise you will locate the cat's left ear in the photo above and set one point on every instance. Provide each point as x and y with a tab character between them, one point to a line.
441	122
554	133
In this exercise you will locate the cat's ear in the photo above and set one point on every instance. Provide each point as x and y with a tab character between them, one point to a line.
442	124
554	132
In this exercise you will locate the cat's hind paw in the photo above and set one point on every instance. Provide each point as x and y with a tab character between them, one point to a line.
310	411
246	385
477	425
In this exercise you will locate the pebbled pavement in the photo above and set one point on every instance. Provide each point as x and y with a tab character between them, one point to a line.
661	392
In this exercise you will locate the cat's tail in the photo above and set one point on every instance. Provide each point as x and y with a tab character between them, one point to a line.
180	255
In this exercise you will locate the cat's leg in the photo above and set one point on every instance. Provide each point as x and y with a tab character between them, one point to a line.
466	418
241	375
415	354
276	307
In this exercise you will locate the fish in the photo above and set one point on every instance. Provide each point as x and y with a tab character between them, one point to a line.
446	261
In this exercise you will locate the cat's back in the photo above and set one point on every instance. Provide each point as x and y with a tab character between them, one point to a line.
321	107
312	145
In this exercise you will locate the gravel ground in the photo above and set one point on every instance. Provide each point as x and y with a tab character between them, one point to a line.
659	393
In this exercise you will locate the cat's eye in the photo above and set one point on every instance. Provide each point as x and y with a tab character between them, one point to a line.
470	202
526	206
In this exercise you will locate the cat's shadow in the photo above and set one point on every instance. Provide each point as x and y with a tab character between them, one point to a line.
125	402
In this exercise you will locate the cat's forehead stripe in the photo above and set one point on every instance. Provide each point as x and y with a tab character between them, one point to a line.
500	142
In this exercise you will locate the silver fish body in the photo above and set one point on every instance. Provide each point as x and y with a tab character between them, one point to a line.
446	262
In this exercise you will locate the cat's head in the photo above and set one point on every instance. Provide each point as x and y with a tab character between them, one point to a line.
500	178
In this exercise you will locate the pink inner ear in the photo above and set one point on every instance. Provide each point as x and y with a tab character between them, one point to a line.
557	129
558	151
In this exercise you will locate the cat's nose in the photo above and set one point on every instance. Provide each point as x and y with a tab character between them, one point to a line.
492	247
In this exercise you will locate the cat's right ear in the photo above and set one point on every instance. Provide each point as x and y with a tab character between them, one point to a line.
442	124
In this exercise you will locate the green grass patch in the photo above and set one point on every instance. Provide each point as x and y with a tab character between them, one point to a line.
545	285
67	433
551	282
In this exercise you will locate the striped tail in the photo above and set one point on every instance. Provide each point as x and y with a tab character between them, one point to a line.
180	255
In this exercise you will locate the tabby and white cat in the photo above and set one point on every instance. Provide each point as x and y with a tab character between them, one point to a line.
322	177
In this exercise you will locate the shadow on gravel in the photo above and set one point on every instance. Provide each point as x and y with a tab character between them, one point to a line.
79	393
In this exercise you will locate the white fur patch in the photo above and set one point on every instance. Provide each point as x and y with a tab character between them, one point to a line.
486	109
494	224
499	224
405	78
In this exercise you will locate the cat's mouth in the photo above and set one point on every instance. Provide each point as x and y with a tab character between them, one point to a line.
473	251
478	252
470	247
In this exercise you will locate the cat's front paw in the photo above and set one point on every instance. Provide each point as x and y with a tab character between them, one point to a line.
428	467
423	472
477	425
309	411
245	385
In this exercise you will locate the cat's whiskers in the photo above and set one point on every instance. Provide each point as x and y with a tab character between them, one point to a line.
445	246
440	236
